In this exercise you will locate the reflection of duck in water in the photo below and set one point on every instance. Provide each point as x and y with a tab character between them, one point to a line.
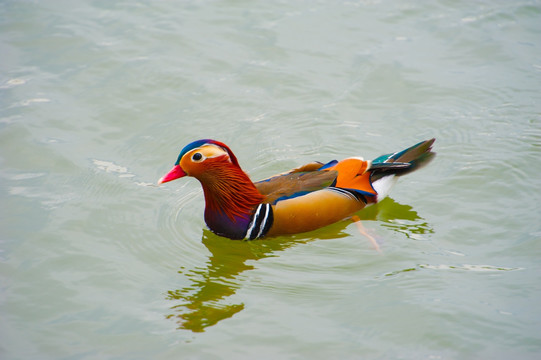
206	300
300	200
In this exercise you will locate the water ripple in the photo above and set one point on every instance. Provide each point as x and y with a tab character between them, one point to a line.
469	267
462	267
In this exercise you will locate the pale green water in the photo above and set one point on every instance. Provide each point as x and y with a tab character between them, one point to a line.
98	97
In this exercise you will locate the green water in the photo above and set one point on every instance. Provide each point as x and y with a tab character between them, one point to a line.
98	97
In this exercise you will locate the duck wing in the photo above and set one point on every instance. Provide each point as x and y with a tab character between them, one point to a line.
296	182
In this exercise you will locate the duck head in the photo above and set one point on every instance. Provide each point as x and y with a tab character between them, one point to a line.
230	195
198	158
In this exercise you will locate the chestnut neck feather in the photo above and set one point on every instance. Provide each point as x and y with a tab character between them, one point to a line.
228	190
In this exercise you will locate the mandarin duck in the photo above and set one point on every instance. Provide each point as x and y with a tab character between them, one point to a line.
300	200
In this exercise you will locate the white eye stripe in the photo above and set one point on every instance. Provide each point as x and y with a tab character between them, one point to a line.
200	154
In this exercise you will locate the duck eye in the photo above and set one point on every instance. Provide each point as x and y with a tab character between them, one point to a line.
197	156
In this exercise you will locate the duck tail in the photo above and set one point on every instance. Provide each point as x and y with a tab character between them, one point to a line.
403	162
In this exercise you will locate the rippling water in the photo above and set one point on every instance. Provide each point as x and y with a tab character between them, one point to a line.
98	97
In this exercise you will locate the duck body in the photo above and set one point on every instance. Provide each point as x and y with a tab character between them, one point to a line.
300	200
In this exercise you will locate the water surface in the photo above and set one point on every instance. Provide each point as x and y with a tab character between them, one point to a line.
97	98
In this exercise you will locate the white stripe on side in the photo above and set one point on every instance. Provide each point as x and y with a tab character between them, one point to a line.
263	210
253	222
264	222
